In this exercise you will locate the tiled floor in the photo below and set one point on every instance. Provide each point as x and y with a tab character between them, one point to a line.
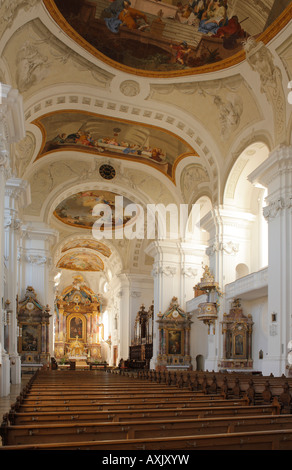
6	402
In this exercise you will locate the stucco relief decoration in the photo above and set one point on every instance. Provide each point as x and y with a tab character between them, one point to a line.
31	66
192	176
23	153
230	111
262	62
130	88
9	10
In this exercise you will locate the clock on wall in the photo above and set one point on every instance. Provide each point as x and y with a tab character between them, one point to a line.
107	172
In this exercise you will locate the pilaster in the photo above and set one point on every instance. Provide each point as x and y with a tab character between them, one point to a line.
17	196
276	175
11	130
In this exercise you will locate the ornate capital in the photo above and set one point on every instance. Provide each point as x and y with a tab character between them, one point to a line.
276	206
38	260
228	248
168	271
189	272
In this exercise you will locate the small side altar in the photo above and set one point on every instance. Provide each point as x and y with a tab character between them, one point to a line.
174	339
237	339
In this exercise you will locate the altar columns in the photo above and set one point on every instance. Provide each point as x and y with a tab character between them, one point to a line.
275	174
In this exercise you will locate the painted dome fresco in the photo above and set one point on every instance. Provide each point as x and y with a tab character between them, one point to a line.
169	36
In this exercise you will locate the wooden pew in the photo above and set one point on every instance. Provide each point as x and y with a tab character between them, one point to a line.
18	418
254	440
53	401
79	405
76	432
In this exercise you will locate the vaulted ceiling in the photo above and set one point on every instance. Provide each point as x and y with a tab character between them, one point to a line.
151	128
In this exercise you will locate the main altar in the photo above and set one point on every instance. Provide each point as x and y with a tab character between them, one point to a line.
78	327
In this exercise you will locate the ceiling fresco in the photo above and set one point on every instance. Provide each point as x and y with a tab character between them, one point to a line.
91	244
78	210
100	136
77	261
165	36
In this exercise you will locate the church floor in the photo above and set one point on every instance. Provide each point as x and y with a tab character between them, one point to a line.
6	402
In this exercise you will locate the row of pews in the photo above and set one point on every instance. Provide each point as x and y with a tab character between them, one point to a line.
149	410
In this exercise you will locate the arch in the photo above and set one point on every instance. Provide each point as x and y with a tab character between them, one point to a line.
200	362
198	209
241	270
238	191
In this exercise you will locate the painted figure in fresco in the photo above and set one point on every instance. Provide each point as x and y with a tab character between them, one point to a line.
72	138
214	17
59	139
231	32
128	17
114	9
182	52
131	17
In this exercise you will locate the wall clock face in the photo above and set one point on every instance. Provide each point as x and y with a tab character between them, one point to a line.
107	172
30	306
175	314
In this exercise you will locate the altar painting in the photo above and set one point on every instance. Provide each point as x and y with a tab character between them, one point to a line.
30	338
175	342
164	36
76	328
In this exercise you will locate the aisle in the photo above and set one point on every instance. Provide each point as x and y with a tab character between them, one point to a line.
6	402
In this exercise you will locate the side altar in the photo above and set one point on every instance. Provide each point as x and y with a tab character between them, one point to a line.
174	338
78	331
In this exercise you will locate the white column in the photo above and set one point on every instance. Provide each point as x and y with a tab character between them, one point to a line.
229	244
276	175
174	269
124	317
17	195
11	130
4	357
36	266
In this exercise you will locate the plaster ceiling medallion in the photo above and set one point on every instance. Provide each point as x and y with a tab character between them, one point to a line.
138	35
